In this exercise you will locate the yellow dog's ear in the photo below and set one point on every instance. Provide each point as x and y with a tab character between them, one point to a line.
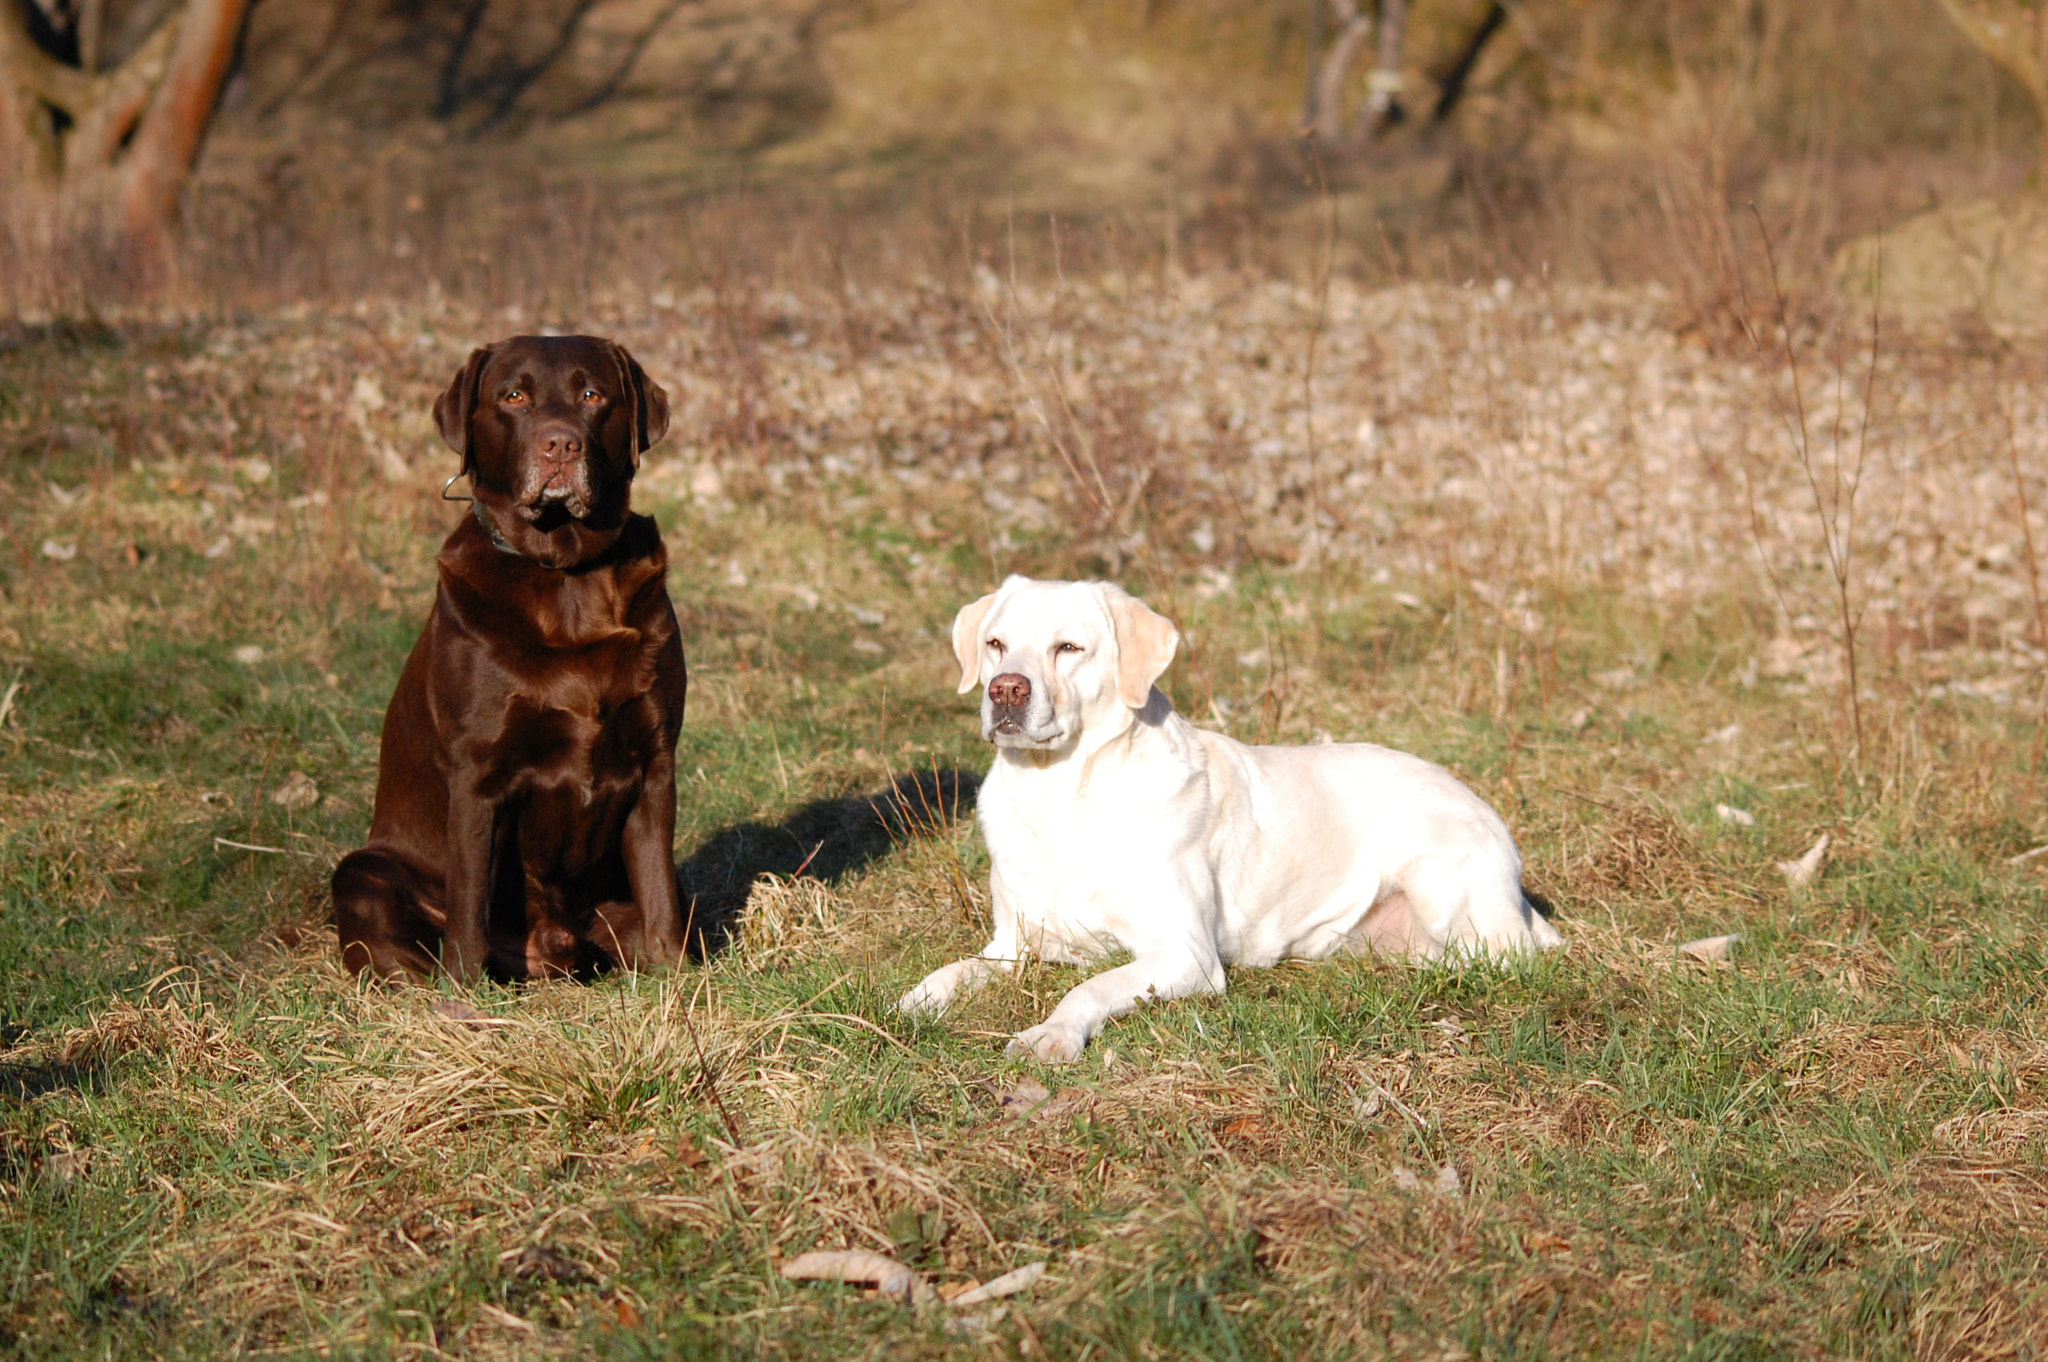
1145	644
967	640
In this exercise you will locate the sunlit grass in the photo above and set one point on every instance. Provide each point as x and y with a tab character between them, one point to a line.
212	1141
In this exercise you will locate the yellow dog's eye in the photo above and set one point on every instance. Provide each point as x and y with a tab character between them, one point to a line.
1066	648
997	644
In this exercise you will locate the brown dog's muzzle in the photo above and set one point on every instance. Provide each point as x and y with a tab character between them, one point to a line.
1009	697
559	472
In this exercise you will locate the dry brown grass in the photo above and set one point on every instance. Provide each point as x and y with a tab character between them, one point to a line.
1531	541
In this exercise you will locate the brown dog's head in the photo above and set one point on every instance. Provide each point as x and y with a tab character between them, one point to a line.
550	430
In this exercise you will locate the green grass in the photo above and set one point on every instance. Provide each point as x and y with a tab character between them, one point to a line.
213	1143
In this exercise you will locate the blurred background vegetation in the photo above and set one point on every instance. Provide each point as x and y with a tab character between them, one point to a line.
377	145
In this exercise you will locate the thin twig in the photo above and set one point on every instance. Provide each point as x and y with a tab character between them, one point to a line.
732	1126
1836	506
1325	261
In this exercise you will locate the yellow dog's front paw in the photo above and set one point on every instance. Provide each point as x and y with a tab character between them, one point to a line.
1048	1044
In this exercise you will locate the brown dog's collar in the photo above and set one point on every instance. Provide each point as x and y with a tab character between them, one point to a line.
483	518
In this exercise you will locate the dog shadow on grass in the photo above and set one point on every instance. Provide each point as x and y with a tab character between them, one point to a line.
826	839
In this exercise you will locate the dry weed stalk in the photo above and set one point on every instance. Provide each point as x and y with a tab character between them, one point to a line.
1326	205
1835	504
2019	487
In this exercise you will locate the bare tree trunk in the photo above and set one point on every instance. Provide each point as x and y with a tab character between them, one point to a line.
2014	34
97	157
1352	30
1385	86
92	33
1311	99
1451	85
166	142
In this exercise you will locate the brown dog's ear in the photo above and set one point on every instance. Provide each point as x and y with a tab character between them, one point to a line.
650	402
453	408
1145	644
967	640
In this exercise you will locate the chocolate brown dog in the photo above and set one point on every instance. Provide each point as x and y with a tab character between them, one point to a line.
526	794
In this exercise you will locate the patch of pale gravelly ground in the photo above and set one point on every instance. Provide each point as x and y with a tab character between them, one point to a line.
1525	443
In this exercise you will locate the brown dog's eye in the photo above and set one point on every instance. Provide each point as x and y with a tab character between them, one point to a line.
515	397
592	395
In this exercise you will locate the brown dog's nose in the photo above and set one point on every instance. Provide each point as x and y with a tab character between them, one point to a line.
559	442
1009	691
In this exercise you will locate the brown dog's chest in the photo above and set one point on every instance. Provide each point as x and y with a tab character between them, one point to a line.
569	753
563	698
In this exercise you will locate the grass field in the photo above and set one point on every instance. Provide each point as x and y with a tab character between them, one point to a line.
1537	535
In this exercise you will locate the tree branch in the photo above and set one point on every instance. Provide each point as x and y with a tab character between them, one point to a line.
1353	29
167	139
30	70
117	100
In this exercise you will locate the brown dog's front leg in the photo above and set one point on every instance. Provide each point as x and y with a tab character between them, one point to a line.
649	845
471	822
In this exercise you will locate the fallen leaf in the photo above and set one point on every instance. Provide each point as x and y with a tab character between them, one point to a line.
1728	813
1543	1241
1242	1126
249	654
1710	950
1448	1183
976	1322
1405	1179
949	1291
297	792
689	1154
59	553
1025	1098
505	1319
863	1268
1009	1284
627	1313
1806	869
462	1014
1368	1106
